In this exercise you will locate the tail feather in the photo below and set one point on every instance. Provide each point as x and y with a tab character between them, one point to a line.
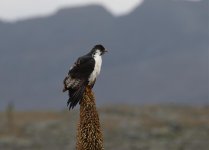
75	96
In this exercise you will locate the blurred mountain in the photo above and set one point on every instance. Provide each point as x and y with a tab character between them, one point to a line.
158	53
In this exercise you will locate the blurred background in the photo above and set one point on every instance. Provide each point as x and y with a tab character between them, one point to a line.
152	92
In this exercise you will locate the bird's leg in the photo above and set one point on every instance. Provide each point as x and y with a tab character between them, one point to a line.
92	85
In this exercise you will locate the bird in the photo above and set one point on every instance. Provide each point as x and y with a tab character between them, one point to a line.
83	73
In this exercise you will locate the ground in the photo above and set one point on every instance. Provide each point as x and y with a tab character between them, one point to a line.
150	127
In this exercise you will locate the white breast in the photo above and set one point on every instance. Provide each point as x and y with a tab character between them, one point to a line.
97	67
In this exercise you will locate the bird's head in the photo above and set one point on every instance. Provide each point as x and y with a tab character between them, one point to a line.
99	49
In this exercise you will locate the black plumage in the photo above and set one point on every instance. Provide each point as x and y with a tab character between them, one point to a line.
79	74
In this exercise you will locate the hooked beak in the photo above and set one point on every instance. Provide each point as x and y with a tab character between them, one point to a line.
105	51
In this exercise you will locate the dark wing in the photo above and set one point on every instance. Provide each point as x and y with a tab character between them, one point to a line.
72	83
83	67
77	79
81	70
76	95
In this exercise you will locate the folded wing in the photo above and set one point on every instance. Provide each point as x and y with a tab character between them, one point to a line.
77	79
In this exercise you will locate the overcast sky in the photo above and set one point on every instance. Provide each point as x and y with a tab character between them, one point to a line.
12	10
